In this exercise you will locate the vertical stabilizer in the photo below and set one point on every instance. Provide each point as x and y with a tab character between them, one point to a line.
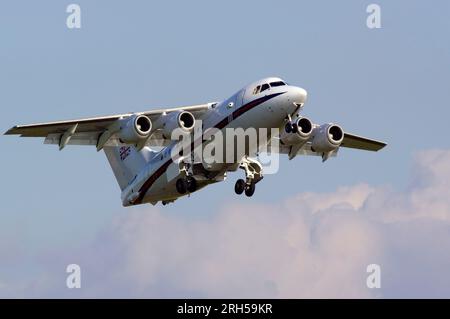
126	162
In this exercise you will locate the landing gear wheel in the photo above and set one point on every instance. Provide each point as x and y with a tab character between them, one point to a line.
250	189
288	127
191	184
181	186
239	187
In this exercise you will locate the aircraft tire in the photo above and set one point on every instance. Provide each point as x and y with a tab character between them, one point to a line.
239	187
250	190
191	184
288	128
181	186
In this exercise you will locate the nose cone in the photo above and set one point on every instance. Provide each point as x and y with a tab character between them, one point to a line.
299	95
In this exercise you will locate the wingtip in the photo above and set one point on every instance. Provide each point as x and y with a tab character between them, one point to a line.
382	145
10	131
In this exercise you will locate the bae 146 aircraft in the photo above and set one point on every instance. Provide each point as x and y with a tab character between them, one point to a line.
139	147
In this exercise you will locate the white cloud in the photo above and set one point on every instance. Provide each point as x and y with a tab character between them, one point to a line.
310	245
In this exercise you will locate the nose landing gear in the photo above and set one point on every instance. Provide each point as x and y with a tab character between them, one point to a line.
291	127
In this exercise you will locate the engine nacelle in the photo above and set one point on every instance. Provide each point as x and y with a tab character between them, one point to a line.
183	120
134	129
327	138
302	132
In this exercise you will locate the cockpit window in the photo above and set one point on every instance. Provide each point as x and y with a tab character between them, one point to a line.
278	83
264	87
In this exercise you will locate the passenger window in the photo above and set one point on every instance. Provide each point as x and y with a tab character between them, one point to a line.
264	87
256	90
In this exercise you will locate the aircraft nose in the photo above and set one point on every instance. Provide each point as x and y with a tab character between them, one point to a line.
299	95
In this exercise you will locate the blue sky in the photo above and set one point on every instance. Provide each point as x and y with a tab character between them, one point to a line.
390	84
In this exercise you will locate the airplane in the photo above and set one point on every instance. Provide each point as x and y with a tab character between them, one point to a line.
139	146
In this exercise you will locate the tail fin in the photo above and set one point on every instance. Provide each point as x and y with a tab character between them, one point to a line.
126	162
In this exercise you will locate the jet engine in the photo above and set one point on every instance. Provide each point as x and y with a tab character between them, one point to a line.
297	133
183	120
327	138
135	129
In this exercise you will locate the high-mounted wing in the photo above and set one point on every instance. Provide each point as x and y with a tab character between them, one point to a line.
89	130
349	141
361	143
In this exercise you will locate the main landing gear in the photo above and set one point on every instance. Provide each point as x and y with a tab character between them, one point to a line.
241	186
253	174
184	185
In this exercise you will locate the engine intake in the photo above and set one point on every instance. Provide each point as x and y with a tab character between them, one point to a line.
304	126
186	121
297	133
327	138
183	120
135	129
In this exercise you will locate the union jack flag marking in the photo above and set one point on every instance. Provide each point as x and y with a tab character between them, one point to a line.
124	151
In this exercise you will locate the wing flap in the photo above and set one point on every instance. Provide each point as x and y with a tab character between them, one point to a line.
84	138
304	150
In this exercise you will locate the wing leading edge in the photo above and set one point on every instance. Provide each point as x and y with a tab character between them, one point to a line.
94	124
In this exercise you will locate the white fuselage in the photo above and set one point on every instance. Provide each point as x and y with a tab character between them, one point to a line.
245	109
